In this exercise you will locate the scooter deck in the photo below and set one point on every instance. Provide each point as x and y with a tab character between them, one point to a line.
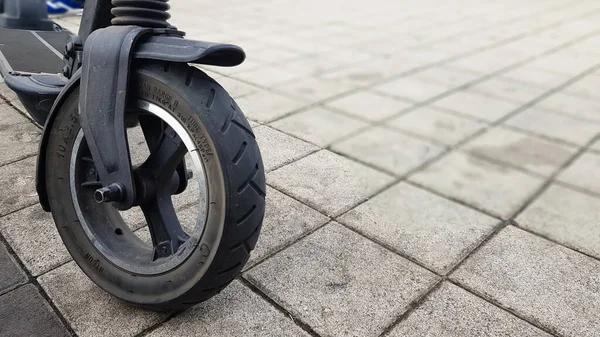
32	51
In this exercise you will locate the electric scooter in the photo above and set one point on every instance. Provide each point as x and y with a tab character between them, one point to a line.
125	80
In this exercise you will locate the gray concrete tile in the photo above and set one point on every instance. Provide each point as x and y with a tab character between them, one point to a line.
268	53
583	173
577	107
328	182
340	283
531	153
18	141
7	93
446	75
509	90
357	74
479	183
315	90
370	71
236	311
33	236
554	126
11	274
315	66
595	146
541	281
388	149
369	105
434	231
477	105
24	312
567	216
20	107
18	183
10	116
585	88
265	106
286	220
236	88
91	311
278	149
453	312
319	126
414	90
437	125
268	76
536	76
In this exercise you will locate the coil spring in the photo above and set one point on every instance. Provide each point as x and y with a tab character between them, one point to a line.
143	13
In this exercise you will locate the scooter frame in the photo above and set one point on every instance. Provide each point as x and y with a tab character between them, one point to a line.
99	61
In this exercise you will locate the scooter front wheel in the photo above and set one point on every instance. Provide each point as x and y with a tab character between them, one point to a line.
200	192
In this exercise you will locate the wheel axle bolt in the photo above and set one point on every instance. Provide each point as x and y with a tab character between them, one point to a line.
112	192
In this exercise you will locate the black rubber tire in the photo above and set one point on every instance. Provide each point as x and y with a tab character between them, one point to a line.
216	124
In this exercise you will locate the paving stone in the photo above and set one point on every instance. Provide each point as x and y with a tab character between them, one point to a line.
370	71
437	238
585	88
18	183
7	93
554	126
268	76
91	311
531	153
315	66
494	188
388	150
453	312
268	53
414	90
536	76
11	274
476	105
24	312
567	216
10	117
574	106
539	280
340	283
319	126
33	236
583	173
363	74
370	105
315	90
286	220
18	141
236	311
264	106
446	75
595	146
278	149
437	125
328	182
509	90
236	88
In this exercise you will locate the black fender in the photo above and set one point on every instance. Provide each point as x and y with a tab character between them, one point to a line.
176	49
171	48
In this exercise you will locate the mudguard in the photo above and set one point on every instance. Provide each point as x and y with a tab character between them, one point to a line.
171	48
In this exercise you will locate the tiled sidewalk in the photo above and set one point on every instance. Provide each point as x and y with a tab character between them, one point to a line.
398	137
